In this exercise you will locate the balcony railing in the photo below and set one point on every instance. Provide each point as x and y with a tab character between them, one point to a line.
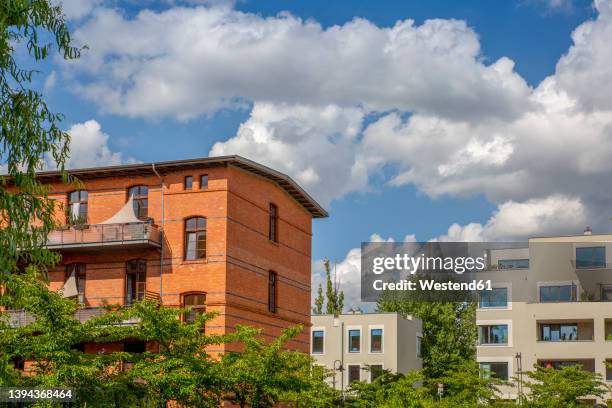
105	235
96	307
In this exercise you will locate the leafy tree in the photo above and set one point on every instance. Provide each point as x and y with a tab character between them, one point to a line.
550	387
319	301
263	374
29	131
335	297
449	331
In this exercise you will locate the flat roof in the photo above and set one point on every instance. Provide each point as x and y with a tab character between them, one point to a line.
282	180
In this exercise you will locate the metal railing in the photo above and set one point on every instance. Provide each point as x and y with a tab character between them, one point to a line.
20	318
105	234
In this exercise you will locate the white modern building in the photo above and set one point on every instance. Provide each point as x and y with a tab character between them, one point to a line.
358	346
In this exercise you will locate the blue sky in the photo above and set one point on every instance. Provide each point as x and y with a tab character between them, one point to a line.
445	128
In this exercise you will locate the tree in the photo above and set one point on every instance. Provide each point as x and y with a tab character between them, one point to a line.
263	374
449	331
319	301
550	387
335	297
29	131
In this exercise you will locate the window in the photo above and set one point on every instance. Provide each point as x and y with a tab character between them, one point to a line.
608	364
203	181
318	341
272	280
419	346
77	207
354	373
606	292
375	371
493	334
354	342
559	332
593	257
495	369
195	238
557	293
376	340
18	363
513	264
195	302
77	272
140	195
137	347
273	227
135	281
495	298
188	182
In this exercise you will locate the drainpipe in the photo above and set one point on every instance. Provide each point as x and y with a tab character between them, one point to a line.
162	236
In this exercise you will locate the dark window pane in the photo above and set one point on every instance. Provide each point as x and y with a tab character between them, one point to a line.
196	303
496	369
188	182
272	278
513	264
493	334
354	373
593	257
318	338
204	181
376	338
273	223
195	238
375	371
354	341
497	297
135	281
140	195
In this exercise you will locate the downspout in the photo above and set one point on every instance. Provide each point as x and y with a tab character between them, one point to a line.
162	236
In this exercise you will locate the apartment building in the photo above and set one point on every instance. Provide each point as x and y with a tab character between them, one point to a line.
551	305
358	346
220	234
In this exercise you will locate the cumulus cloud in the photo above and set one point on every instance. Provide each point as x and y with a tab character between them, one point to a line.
89	148
207	58
335	106
76	9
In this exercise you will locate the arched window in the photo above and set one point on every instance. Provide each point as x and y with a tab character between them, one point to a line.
196	303
77	207
74	284
140	195
273	223
135	281
195	238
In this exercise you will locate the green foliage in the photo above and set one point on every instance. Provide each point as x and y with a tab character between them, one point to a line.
335	297
549	387
29	131
449	331
319	300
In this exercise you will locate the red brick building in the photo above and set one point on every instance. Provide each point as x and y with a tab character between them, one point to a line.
218	234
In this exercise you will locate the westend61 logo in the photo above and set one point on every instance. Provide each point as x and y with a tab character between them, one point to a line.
427	271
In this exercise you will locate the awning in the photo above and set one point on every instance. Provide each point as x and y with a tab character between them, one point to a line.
70	288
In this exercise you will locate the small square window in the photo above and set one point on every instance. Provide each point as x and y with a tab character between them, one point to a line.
188	182
203	181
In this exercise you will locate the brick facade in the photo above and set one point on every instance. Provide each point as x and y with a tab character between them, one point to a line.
239	255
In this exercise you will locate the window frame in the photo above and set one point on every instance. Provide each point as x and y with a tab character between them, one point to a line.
507	323
273	223
187	230
200	181
190	178
489	293
82	202
482	375
272	292
80	276
350	329
556	327
382	339
138	282
500	261
314	330
348	370
382	370
195	308
571	284
592	265
138	198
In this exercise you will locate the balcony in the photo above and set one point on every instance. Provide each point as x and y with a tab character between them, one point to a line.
565	330
20	318
105	236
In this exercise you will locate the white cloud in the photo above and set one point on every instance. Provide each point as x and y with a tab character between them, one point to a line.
50	81
89	147
207	58
76	9
316	145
